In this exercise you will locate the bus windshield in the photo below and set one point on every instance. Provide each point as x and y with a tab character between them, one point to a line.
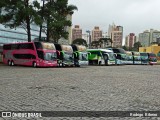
83	56
143	54
111	56
68	56
119	51
50	56
152	55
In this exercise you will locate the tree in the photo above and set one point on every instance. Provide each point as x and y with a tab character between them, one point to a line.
80	41
14	13
136	46
56	18
125	47
95	44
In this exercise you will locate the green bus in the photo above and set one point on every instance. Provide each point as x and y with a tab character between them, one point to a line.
80	55
120	55
136	58
129	58
65	58
101	57
144	58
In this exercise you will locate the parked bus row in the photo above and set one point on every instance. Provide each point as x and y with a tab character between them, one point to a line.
132	57
41	54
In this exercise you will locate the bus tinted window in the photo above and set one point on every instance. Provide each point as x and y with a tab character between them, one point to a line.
152	55
26	46
119	51
40	54
14	46
116	51
143	54
6	47
38	45
24	56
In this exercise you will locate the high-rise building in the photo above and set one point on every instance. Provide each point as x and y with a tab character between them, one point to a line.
116	34
96	33
76	32
144	38
154	36
148	37
130	40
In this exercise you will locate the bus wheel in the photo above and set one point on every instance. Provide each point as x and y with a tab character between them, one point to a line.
12	63
99	63
60	64
106	63
9	62
34	64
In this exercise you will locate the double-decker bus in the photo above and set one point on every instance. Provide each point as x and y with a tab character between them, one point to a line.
136	58
80	55
36	54
129	57
101	57
120	55
152	58
144	58
65	58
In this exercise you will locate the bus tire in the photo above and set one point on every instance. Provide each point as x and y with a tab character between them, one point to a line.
100	63
12	63
9	62
34	64
106	63
77	65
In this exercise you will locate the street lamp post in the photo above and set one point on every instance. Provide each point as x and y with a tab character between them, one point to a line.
89	32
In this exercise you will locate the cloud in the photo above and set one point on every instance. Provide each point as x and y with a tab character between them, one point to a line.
134	15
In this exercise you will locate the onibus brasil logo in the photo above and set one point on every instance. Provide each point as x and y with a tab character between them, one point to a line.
21	114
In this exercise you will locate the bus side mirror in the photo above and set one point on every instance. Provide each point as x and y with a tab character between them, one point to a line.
76	54
89	54
58	52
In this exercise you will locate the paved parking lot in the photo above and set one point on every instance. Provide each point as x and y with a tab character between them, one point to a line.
92	88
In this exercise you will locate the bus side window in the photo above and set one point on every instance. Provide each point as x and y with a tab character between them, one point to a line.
40	54
99	54
118	56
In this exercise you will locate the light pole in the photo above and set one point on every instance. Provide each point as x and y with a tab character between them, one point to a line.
89	32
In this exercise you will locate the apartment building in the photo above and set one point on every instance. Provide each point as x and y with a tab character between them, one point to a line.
130	40
116	34
76	32
148	37
96	33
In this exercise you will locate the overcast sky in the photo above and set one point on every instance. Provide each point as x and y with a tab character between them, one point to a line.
134	15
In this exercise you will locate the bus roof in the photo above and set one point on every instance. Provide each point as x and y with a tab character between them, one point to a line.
104	50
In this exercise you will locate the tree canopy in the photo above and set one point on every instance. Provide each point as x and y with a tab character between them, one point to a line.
80	41
95	44
136	46
14	13
52	16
